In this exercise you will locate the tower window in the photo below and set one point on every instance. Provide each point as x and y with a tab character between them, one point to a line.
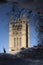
12	49
17	42
14	42
20	41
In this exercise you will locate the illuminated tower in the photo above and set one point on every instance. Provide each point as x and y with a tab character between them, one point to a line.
19	35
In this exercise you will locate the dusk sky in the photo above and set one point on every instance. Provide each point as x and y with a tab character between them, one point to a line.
4	27
4	19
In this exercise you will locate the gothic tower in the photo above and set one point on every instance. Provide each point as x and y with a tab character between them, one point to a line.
19	35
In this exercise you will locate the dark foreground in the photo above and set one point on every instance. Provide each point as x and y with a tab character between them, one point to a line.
8	59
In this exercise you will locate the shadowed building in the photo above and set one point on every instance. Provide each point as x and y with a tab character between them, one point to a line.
19	35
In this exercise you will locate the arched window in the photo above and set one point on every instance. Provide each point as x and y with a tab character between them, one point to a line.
17	42
14	42
20	42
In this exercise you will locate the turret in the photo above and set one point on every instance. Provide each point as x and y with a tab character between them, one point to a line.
10	34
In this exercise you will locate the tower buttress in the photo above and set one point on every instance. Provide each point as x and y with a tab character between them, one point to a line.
28	34
24	31
10	34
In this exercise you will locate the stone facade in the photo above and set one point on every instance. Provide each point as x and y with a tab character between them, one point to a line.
19	35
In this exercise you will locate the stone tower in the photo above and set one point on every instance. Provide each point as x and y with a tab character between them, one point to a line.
19	35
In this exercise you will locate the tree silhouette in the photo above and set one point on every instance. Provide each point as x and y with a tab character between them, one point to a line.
40	29
4	50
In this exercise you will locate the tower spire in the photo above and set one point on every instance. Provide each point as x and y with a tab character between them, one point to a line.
11	19
24	17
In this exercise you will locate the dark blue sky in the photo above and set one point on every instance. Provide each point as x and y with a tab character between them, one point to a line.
4	28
